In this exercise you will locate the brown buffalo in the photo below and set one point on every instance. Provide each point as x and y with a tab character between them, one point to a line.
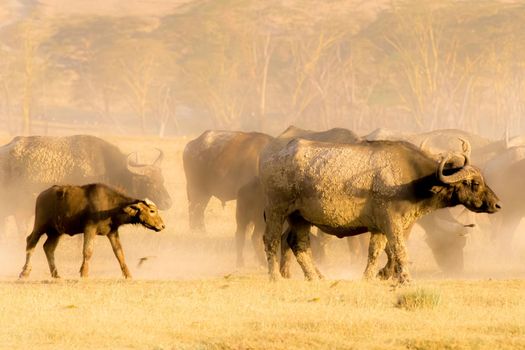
219	163
93	210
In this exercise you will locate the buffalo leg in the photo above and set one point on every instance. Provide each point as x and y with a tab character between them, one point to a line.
396	241
89	241
32	241
272	238
257	241
299	241
114	239
197	203
375	247
240	233
49	248
388	270
286	254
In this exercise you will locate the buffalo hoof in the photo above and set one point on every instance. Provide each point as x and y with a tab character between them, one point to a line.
312	277
369	276
275	277
285	272
385	273
403	279
24	274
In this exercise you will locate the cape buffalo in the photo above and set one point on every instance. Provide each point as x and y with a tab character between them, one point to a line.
218	163
381	187
30	164
93	209
444	233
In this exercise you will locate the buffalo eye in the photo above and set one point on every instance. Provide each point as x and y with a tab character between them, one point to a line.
475	186
465	182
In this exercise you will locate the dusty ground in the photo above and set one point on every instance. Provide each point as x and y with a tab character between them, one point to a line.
189	293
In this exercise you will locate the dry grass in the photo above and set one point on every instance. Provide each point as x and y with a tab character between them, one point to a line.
189	294
418	299
246	312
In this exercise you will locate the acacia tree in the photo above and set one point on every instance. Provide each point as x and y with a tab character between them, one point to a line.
142	65
430	63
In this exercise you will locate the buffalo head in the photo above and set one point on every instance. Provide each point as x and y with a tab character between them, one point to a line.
145	213
468	186
148	181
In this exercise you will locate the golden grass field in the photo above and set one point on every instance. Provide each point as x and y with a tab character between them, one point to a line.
190	295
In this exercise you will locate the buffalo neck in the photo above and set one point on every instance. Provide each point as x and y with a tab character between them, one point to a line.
439	195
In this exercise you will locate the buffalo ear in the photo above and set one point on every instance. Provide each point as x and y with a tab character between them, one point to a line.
436	189
132	209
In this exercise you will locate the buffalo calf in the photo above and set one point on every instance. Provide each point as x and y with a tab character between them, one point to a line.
94	209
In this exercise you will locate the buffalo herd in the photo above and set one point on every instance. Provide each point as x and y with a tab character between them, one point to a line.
344	184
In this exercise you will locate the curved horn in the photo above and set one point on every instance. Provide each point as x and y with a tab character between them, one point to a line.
159	159
461	174
465	144
423	145
133	166
467	159
467	150
132	162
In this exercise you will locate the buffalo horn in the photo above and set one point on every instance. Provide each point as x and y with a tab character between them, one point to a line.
159	159
423	145
458	176
467	148
134	166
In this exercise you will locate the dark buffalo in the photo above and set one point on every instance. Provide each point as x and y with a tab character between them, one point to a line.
219	163
93	209
381	187
30	164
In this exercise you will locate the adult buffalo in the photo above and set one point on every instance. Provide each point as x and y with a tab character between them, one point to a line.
445	235
29	164
218	163
380	187
93	210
